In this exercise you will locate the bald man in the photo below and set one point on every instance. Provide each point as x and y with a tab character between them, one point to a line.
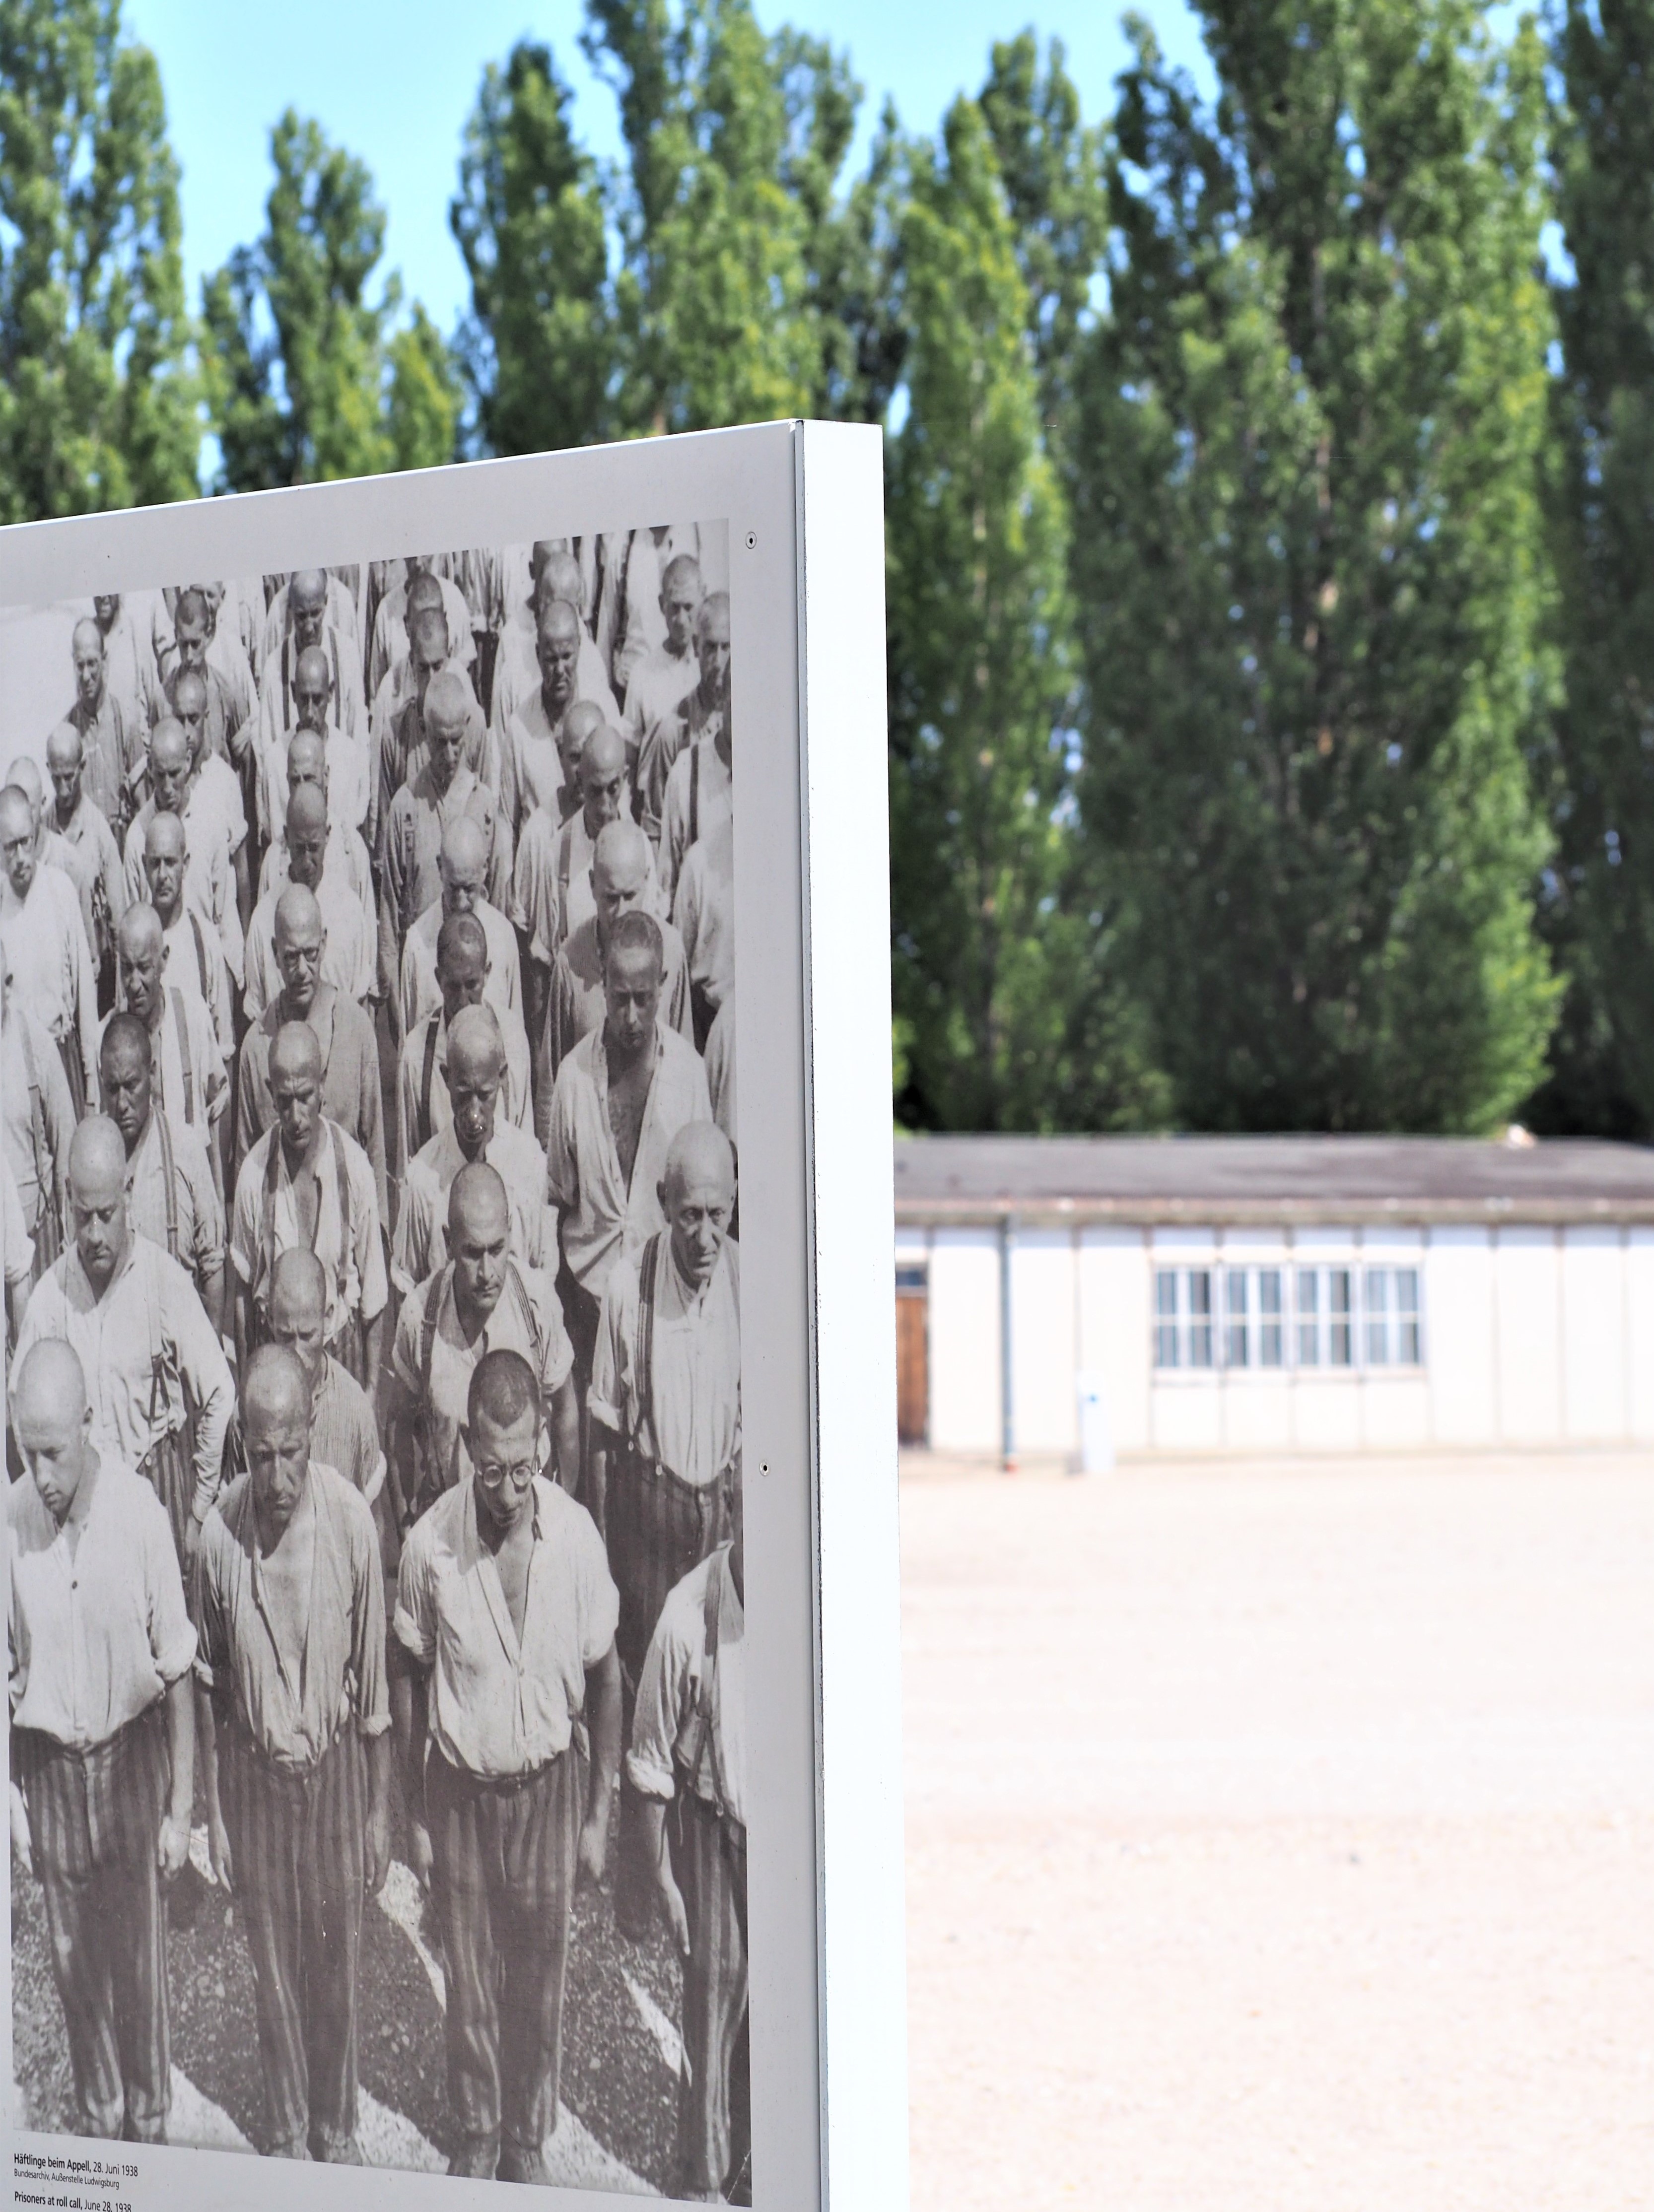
46	950
112	723
623	881
699	786
532	760
39	1122
344	1433
53	850
307	1182
351	952
704	912
620	1098
465	874
227	705
390	620
554	574
160	1386
186	1066
220	794
481	1299
311	708
352	1092
666	1416
477	1130
463	971
443	792
195	952
295	1725
177	790
629	622
503	1812
405	741
552	886
670	671
92	857
172	1198
421	654
278	620
307	626
126	623
102	1751
698	713
345	865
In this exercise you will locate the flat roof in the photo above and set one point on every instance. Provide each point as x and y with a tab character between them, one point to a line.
1251	1179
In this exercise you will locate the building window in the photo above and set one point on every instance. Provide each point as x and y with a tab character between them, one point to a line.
1340	1318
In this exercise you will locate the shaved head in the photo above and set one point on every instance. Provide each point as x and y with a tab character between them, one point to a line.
169	744
697	1197
460	941
64	747
298	916
306	811
298	1287
87	637
476	1047
620	858
50	1416
164	838
26	776
463	864
296	1055
138	933
306	758
478	1204
311	668
561	579
308	589
97	1155
448	702
559	618
699	1153
275	1386
603	755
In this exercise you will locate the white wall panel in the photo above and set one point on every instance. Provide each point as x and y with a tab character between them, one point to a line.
1113	1327
1528	1319
1044	1405
1640	1331
1460	1336
964	1340
1595	1394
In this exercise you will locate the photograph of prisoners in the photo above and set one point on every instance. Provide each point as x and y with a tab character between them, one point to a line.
370	1227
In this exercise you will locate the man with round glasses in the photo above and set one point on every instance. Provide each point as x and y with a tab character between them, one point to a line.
505	1620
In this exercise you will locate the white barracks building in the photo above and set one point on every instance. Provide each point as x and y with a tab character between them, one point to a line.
1066	1296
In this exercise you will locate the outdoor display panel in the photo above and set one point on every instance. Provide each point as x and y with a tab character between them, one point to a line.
781	1030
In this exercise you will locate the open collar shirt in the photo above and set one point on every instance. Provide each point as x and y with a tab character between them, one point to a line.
527	1319
197	1218
51	957
94	862
710	801
209	876
99	1630
113	735
248	1636
419	815
352	1092
29	1061
576	1004
516	1101
421	1244
349	958
149	1354
189	1075
422	992
602	1216
692	1424
664	1729
502	1705
355	1270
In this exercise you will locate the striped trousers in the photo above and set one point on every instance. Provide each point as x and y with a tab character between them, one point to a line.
94	1824
715	2112
503	1883
299	1855
660	1527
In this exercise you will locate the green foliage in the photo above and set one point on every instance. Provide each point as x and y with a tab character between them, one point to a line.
97	404
1307	557
1602	514
714	277
989	969
307	377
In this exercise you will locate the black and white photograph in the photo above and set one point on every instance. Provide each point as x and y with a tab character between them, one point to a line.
379	1774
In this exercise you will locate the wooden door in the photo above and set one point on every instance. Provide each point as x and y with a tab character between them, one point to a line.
912	1366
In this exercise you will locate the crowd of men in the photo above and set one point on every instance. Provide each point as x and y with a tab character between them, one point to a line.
373	1314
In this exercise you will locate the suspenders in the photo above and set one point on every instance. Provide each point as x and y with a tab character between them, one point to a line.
167	1172
648	1274
342	1186
180	1024
423	1128
46	1179
438	1291
694	793
200	959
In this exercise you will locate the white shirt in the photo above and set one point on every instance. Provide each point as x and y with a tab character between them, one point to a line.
669	1693
421	992
421	1243
349	956
500	1706
362	1264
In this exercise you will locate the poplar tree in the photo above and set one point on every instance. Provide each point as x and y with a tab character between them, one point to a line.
1309	566
98	407
979	677
309	373
1603	139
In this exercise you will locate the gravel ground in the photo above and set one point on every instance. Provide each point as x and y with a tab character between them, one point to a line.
1281	1837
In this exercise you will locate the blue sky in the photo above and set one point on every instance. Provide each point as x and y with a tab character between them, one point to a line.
394	83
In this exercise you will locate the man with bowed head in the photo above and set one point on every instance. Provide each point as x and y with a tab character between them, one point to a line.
345	865
352	1094
158	1381
505	1619
423	1109
95	861
187	888
186	1066
172	1198
477	1130
110	723
47	952
102	1738
344	1432
306	1183
479	1300
351	952
293	1720
463	873
622	882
